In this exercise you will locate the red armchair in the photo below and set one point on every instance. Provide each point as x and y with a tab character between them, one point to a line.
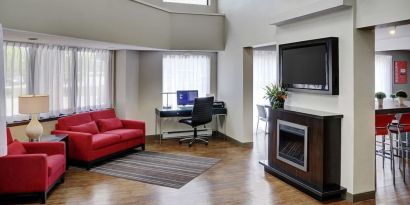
94	136
31	168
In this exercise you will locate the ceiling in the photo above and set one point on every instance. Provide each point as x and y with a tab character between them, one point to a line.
398	41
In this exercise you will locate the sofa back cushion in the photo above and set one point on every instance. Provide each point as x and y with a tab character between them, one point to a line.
9	137
66	122
16	148
90	127
103	114
109	124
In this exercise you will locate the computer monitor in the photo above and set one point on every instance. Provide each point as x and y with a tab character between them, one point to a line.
186	97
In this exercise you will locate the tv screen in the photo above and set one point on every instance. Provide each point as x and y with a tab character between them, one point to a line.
186	97
310	66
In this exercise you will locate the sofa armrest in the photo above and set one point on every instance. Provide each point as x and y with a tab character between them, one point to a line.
134	124
49	148
23	173
79	144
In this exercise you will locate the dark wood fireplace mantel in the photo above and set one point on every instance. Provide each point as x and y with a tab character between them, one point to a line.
321	176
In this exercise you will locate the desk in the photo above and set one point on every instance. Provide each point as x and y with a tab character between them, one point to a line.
392	107
179	112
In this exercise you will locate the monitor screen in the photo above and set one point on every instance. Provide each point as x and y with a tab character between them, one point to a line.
186	97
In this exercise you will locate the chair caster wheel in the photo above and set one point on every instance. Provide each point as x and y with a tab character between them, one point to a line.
189	145
206	144
180	142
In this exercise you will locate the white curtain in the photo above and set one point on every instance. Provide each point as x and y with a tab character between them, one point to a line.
3	135
17	65
185	72
265	73
54	75
93	80
383	74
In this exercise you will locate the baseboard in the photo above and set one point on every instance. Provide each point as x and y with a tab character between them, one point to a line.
214	134
360	197
235	141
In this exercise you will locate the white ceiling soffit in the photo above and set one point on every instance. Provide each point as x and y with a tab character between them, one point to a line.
386	41
23	36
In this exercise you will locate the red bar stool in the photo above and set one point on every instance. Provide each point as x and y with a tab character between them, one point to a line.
381	124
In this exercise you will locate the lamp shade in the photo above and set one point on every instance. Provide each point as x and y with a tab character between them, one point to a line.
32	104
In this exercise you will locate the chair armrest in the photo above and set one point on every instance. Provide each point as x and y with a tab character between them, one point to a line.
134	124
79	144
49	148
23	173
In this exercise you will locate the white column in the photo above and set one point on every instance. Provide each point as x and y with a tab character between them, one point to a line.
3	136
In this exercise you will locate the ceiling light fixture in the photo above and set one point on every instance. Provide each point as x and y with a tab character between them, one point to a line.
392	30
32	39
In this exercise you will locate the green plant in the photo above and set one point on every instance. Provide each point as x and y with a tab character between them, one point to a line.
393	96
380	95
276	95
401	94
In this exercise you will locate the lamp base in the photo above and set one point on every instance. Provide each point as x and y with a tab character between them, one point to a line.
34	129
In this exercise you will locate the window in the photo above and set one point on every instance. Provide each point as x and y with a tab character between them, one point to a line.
383	74
76	79
197	2
185	72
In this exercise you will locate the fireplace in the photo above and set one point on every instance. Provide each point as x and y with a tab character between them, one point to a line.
292	144
304	150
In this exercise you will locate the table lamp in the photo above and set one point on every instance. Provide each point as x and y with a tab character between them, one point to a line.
33	104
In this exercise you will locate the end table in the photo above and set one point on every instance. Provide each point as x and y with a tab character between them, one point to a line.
58	138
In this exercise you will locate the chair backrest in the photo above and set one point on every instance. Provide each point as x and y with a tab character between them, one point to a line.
383	121
405	119
262	111
202	111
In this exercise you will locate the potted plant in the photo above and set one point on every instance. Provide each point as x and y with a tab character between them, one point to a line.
393	96
276	95
401	95
380	96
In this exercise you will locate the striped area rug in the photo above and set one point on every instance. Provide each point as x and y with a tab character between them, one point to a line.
162	169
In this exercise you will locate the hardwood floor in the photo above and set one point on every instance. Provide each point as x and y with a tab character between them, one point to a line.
237	179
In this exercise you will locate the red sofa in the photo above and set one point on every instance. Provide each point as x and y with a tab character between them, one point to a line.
93	136
31	167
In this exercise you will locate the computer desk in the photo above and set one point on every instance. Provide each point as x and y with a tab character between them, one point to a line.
180	112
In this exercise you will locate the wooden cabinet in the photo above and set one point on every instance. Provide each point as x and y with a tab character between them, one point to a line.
321	177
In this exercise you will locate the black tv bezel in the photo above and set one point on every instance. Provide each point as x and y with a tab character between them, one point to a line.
332	67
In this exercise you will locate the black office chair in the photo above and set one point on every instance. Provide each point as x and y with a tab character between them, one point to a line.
201	115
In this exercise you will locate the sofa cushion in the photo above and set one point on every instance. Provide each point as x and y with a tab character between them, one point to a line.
103	114
109	124
127	134
90	127
16	148
66	122
104	140
9	137
54	163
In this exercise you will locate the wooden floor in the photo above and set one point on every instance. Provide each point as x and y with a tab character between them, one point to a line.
237	179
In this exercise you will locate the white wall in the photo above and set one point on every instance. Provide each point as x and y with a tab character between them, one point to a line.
126	84
122	22
248	24
377	12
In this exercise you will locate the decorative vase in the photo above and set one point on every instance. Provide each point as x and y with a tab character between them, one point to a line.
380	102
401	100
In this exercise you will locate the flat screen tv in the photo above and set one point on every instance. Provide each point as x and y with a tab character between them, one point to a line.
310	66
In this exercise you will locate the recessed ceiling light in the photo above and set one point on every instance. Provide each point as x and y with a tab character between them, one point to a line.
392	31
32	39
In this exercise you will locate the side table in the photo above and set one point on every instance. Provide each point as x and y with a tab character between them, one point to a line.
58	138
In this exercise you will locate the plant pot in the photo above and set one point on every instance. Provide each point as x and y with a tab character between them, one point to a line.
277	104
401	100
380	102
